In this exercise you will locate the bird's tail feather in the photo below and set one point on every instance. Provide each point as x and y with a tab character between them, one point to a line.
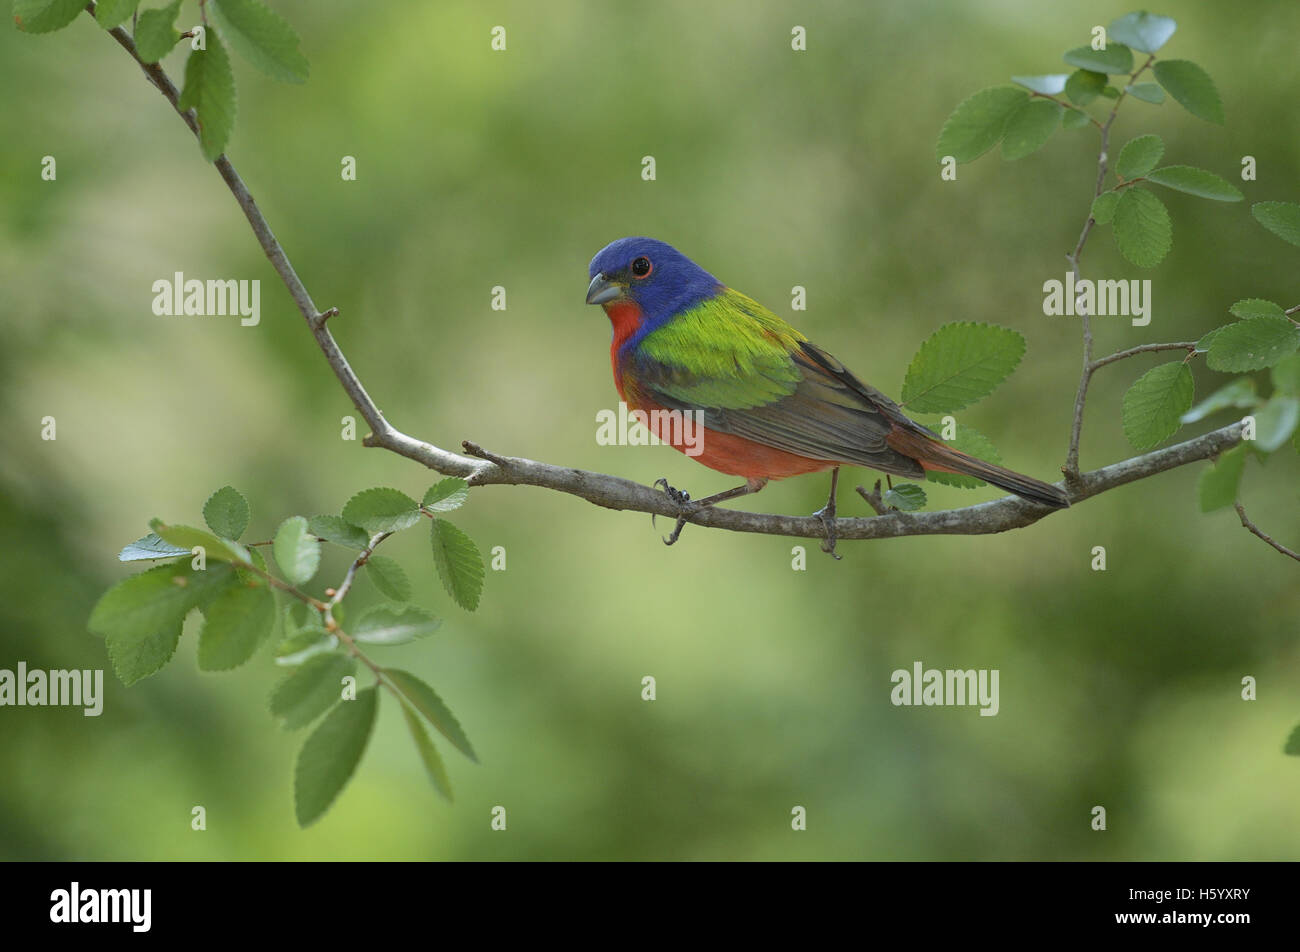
933	455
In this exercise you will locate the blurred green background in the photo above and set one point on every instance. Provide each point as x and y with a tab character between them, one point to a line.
775	168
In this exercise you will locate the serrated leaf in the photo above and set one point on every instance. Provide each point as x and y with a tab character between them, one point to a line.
1139	156
210	92
1143	232
331	754
226	512
150	547
1238	394
1147	92
446	495
425	700
1217	485
1074	119
1256	307
1156	402
1207	340
140	617
977	123
1103	207
311	689
337	530
156	33
1142	31
973	442
110	13
306	642
1252	344
1115	58
1029	128
1286	375
262	37
234	624
296	550
394	625
46	16
1084	85
389	577
1194	181
959	364
1275	421
1050	85
460	567
428	753
215	548
382	510
1281	218
906	497
1192	87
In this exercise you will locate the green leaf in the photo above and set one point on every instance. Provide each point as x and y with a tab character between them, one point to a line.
109	13
1194	181
389	577
428	753
425	700
1286	375
1192	87
1239	394
1110	92
150	547
977	124
309	641
1256	307
394	625
907	497
1115	58
331	754
972	441
1142	229
336	530
1207	341
1275	421
234	624
1029	128
155	32
1139	156
959	364
1281	218
446	495
1103	207
1155	402
1217	485
226	512
140	617
1252	344
296	550
1147	92
46	16
1142	31
1084	86
459	564
311	689
215	548
1074	119
1047	85
382	510
262	37
210	92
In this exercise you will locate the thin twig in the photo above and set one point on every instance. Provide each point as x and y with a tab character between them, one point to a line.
1245	521
1187	345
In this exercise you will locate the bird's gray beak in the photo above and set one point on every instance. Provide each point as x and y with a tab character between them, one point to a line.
602	290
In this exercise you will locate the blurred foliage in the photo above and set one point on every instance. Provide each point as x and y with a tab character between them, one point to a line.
775	168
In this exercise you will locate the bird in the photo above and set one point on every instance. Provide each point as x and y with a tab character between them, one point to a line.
770	404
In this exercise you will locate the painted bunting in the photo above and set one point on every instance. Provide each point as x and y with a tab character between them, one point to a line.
770	402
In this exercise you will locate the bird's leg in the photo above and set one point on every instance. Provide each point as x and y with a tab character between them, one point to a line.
686	506
827	515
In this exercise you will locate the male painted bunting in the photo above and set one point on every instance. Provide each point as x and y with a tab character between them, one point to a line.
771	403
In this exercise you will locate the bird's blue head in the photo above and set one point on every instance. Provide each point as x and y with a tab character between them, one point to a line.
656	277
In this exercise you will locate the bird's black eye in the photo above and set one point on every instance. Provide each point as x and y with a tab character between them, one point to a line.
641	266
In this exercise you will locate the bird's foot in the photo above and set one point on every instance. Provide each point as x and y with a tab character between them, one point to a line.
827	515
684	508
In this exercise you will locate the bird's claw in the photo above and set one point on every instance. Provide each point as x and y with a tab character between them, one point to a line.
682	499
827	515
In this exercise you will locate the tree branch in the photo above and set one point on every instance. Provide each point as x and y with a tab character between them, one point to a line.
483	468
1245	521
